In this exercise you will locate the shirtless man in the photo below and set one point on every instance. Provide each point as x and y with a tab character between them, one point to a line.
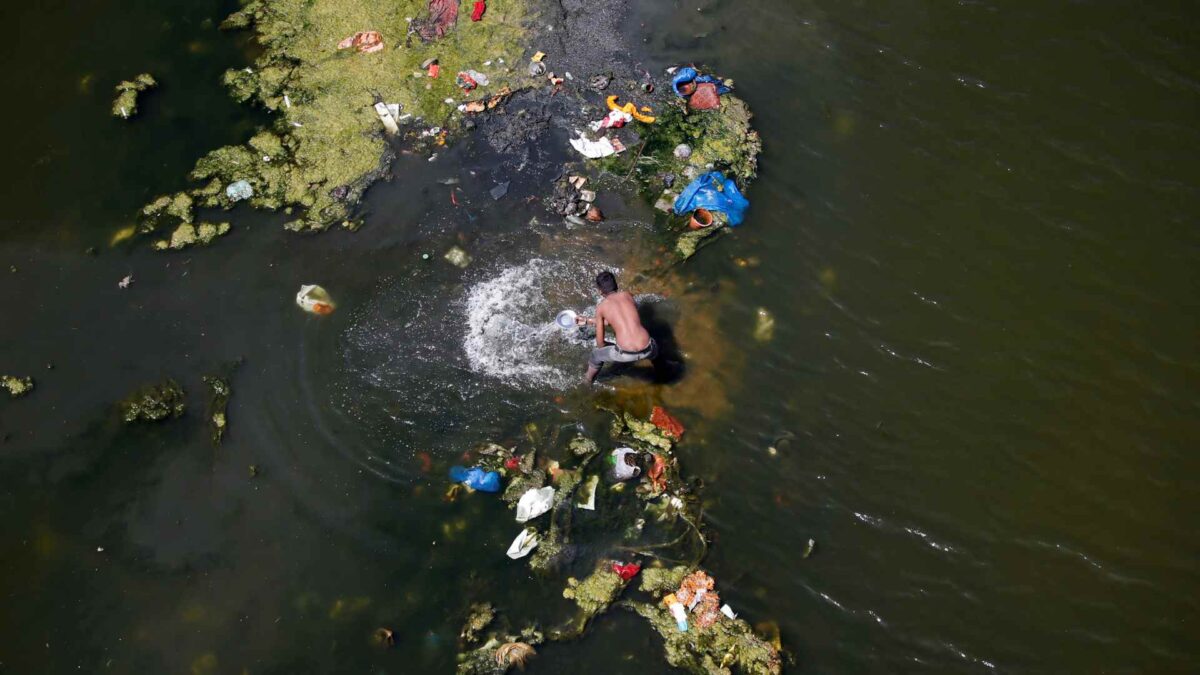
618	310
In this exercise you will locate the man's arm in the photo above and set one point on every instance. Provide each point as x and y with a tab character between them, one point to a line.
600	327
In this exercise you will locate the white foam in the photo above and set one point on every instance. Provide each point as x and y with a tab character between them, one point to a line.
511	333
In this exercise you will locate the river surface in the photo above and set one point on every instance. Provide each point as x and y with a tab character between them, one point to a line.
975	226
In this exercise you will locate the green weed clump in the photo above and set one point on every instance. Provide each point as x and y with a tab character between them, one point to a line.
327	145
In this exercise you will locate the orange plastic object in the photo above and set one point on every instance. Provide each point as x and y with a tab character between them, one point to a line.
630	109
662	419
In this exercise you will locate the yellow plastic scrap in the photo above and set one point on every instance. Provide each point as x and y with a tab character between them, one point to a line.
631	109
538	57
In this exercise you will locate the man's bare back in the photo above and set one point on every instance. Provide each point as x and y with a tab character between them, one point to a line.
620	311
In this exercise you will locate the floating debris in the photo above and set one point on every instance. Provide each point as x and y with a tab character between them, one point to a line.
457	257
16	386
125	105
764	325
154	403
315	300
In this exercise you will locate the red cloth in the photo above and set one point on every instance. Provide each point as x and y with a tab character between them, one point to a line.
627	571
443	14
480	8
512	462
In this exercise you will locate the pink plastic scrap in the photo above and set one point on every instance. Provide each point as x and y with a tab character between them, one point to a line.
366	42
443	15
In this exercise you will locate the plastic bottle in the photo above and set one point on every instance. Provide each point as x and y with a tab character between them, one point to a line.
677	611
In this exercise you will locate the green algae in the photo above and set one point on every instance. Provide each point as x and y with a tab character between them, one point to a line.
721	139
629	426
582	446
326	145
187	235
479	617
720	649
658	581
16	386
593	595
153	403
125	104
688	243
485	660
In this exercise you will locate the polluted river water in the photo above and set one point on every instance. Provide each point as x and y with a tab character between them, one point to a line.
955	344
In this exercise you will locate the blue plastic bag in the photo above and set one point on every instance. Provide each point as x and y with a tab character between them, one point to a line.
689	74
715	192
476	478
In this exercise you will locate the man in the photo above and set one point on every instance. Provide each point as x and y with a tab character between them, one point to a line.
618	310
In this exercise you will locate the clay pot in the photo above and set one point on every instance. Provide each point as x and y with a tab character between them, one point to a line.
687	88
594	215
701	218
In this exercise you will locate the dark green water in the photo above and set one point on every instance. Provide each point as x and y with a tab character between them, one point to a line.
975	226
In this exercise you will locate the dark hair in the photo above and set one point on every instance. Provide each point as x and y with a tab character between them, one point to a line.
606	282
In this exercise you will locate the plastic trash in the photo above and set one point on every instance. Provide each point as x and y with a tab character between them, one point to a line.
615	119
683	151
476	478
626	571
688	75
388	117
499	191
622	469
314	299
728	611
587	494
677	611
366	42
239	190
478	11
523	544
631	109
715	192
534	503
604	147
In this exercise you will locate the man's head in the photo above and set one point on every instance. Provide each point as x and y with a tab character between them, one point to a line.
606	282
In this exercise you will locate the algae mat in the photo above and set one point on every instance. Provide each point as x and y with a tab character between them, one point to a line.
326	145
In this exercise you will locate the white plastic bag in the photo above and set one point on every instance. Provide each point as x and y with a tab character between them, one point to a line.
314	299
534	503
523	544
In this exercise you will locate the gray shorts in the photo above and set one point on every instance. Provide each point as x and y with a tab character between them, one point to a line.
614	354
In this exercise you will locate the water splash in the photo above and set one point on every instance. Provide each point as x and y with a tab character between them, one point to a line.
511	335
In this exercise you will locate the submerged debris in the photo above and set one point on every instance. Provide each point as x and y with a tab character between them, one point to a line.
125	105
500	653
514	654
384	637
218	402
154	403
479	617
16	386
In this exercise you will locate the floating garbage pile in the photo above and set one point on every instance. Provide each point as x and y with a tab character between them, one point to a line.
568	496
